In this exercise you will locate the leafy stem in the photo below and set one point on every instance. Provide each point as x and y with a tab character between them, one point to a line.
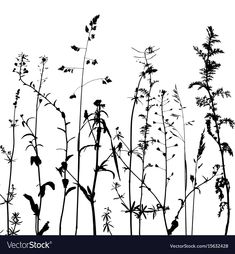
135	101
207	74
11	159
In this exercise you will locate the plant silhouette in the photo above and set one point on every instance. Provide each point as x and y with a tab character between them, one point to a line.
9	157
209	100
140	165
90	30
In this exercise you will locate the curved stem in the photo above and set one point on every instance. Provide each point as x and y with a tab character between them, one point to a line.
62	212
195	188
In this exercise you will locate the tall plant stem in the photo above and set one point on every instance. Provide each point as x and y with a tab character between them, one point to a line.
11	169
183	139
131	152
79	132
92	201
166	162
208	72
222	156
65	186
213	109
97	146
185	175
185	169
145	146
194	196
36	145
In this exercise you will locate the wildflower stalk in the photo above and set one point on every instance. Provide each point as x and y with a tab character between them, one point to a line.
209	100
64	164
135	98
90	36
11	160
79	132
165	154
44	60
193	178
97	148
148	54
182	137
97	126
21	70
63	170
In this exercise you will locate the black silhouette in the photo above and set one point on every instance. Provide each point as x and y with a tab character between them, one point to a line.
149	150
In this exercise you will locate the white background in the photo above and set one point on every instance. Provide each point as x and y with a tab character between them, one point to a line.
49	28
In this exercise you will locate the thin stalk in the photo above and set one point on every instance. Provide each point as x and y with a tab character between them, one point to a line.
36	145
185	166
11	169
79	131
194	195
145	143
65	186
185	172
194	178
183	139
131	151
97	146
166	161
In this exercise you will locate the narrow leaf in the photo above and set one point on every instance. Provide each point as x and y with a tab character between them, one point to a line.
69	189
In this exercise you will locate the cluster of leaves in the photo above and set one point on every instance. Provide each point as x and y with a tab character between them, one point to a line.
15	222
107	221
92	27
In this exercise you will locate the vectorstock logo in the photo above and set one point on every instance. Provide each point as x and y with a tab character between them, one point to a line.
29	245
